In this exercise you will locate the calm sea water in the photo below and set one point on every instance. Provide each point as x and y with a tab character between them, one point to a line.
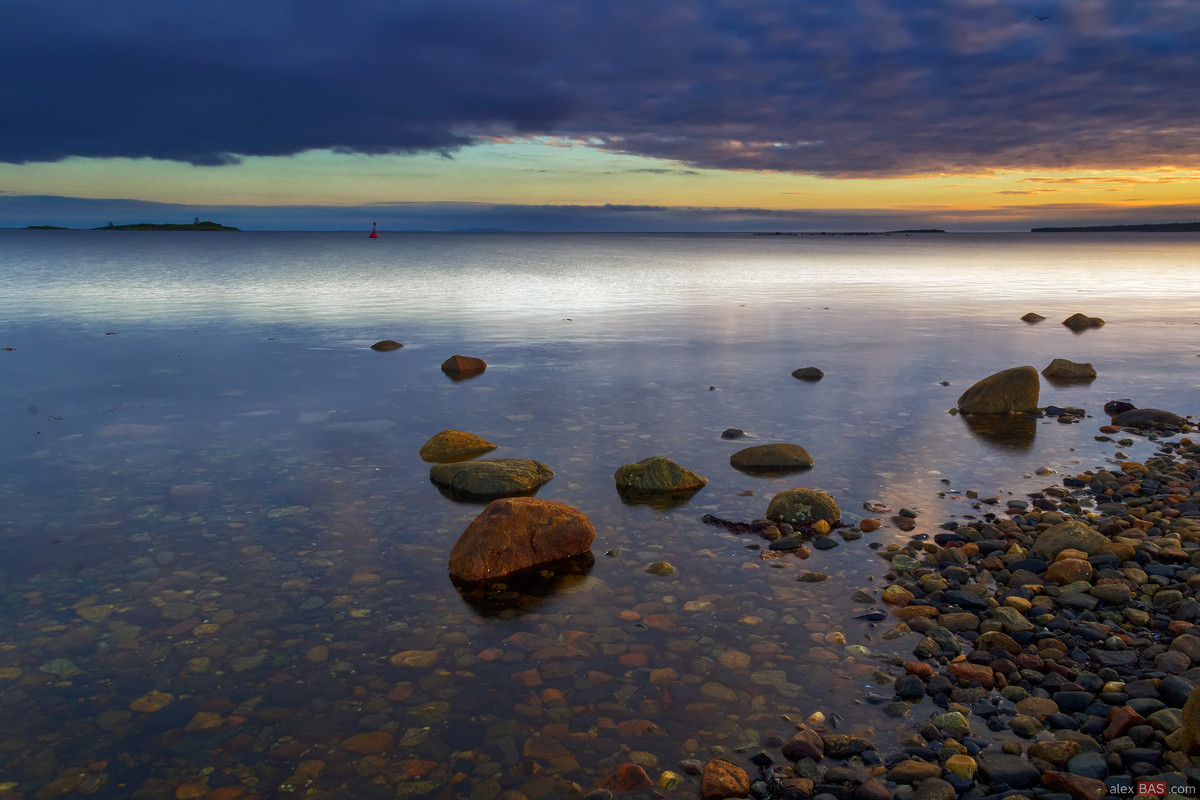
217	535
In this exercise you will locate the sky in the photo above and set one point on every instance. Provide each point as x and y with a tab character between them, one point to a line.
799	115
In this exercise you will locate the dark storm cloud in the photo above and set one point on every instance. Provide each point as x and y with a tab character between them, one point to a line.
843	87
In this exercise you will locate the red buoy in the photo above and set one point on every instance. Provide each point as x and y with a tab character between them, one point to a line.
373	235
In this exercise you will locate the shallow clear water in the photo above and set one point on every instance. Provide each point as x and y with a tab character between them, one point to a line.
209	485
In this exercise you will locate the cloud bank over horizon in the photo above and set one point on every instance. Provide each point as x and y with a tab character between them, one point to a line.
863	88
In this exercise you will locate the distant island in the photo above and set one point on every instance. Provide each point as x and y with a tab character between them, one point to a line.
144	226
1165	227
167	226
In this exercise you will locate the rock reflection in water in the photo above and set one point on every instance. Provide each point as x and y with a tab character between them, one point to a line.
659	500
1003	431
526	591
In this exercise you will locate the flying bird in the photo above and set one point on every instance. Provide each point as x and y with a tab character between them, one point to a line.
1040	19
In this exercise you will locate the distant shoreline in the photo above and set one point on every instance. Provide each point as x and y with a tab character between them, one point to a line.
144	226
1165	227
849	233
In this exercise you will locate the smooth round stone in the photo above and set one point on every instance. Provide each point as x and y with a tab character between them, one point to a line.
1089	765
909	687
1025	726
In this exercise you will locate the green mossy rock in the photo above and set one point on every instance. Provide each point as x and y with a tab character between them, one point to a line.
803	506
657	474
1011	391
491	478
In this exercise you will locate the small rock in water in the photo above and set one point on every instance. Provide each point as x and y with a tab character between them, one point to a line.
778	456
1081	322
460	367
1032	317
657	475
491	479
801	505
451	445
385	345
1115	407
732	433
1061	369
808	374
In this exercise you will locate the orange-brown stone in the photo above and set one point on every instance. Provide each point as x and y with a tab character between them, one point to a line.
226	793
1077	786
627	778
458	367
721	779
452	445
918	668
372	742
971	673
1120	720
516	533
1069	570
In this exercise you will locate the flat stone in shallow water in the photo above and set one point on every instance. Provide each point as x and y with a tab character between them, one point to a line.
779	456
1061	369
1148	418
451	445
491	478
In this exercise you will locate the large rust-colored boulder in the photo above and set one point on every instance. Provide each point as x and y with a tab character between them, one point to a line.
1060	369
451	445
778	456
1011	391
803	506
491	478
459	367
517	533
1069	535
722	779
657	474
